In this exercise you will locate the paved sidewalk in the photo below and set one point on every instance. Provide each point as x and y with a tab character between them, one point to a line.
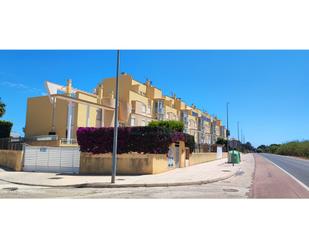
198	174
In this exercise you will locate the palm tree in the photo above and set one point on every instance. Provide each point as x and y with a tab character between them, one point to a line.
2	108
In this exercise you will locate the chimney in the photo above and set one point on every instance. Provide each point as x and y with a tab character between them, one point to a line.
69	87
148	83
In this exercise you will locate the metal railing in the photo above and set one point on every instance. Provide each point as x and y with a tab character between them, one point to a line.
18	143
12	143
68	141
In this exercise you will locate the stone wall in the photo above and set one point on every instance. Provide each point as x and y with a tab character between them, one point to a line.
12	159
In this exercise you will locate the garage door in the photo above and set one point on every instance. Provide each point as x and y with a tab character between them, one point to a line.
51	159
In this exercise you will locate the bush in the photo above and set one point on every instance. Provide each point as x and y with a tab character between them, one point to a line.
153	140
173	125
222	141
5	129
295	148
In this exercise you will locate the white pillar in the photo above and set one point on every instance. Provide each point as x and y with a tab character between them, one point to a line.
69	121
87	116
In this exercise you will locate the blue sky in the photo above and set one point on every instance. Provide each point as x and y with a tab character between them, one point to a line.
268	91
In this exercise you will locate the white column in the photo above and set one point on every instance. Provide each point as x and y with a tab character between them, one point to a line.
102	121
69	121
87	116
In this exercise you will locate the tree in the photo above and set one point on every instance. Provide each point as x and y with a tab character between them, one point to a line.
248	147
262	148
222	141
273	148
2	108
5	129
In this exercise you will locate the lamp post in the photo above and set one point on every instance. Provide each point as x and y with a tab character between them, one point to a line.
238	144
114	166
238	130
227	126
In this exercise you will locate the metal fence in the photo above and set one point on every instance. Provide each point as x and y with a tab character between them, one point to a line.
12	143
18	143
204	148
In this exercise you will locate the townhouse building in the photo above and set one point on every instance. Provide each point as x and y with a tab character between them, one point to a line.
65	109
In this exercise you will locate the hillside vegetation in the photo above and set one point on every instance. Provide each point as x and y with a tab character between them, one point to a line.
294	148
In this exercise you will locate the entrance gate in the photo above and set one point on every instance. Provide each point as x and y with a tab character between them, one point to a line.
51	159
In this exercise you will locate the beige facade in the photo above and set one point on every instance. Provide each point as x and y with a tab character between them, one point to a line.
61	114
139	103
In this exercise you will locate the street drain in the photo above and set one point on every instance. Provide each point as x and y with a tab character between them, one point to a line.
10	189
230	190
55	178
226	170
239	173
120	179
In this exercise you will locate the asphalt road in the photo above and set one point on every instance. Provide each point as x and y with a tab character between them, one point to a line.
299	168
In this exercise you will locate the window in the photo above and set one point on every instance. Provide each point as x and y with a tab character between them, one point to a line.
143	123
132	121
192	124
149	108
99	118
143	108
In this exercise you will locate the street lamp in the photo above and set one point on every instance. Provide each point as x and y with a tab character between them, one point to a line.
227	126
116	123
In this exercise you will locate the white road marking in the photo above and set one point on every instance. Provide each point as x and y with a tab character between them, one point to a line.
293	177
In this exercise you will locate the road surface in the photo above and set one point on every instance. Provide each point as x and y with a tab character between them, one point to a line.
299	168
271	179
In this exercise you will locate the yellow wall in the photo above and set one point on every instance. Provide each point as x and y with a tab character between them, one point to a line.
197	158
127	164
11	159
169	109
109	86
39	117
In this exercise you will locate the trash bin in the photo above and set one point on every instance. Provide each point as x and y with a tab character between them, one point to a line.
234	156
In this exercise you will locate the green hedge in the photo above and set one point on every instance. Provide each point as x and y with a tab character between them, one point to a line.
172	125
5	128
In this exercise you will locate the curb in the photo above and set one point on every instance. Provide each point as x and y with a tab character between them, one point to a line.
129	185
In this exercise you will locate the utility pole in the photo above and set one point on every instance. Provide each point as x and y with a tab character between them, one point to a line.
238	144
238	130
241	137
114	167
227	126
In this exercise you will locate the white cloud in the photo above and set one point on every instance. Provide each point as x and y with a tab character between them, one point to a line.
20	86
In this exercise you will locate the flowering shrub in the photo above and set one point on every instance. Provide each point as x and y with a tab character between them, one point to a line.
154	140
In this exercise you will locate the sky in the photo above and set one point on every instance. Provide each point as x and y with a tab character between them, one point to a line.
268	90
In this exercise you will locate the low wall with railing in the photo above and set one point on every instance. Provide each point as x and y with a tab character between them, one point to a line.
127	164
197	158
52	143
11	159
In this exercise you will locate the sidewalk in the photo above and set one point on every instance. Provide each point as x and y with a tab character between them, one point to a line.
198	174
